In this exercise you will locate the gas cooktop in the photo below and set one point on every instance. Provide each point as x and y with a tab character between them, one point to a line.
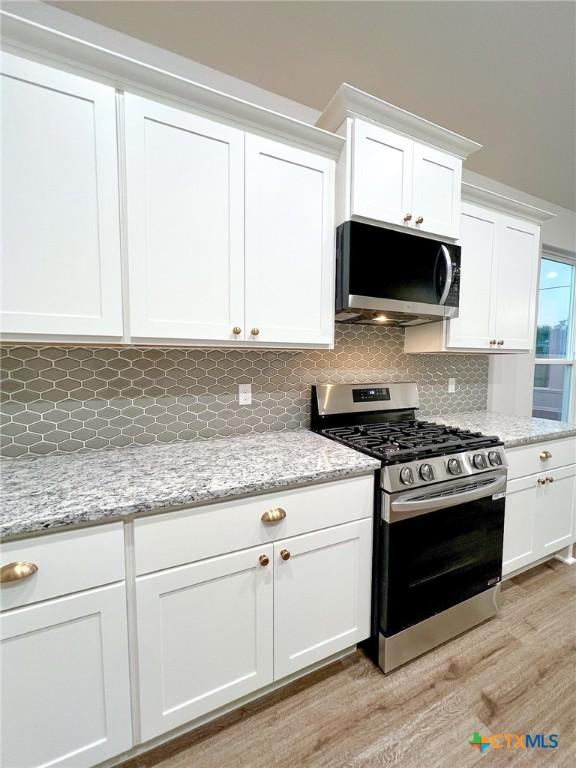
409	439
380	420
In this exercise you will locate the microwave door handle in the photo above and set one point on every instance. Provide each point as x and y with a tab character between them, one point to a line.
449	275
404	507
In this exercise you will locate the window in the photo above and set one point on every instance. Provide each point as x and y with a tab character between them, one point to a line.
555	364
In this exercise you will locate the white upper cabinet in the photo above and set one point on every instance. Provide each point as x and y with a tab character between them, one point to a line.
185	187
289	278
60	211
498	280
515	283
399	169
382	173
473	326
399	181
203	266
436	191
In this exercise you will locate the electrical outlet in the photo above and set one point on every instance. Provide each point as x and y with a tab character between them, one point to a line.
245	394
451	386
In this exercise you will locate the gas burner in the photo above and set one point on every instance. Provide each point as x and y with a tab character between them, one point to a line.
408	439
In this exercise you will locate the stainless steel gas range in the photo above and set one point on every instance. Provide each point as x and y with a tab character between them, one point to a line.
439	516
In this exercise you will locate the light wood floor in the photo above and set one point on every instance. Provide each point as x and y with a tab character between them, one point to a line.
516	673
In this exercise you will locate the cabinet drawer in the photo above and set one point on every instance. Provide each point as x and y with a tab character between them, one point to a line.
540	457
167	540
66	562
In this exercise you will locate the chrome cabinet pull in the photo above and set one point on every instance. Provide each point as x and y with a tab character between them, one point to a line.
501	343
545	455
549	479
542	480
408	217
17	571
420	220
273	515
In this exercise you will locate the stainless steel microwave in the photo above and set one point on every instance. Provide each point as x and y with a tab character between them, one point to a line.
394	278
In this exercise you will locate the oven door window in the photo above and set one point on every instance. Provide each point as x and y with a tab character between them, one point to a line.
436	560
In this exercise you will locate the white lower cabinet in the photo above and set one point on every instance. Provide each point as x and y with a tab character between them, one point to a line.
321	594
257	598
522	497
539	518
204	636
65	681
219	629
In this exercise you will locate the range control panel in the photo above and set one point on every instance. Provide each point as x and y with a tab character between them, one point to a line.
412	474
370	395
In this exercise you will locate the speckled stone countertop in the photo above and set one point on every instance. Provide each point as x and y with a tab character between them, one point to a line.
513	430
52	492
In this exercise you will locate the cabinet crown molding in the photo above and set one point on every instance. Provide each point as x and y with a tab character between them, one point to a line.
480	196
54	47
349	101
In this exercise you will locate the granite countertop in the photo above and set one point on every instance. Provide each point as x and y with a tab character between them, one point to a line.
52	492
513	430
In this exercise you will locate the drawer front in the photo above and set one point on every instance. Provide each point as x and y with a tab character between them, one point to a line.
540	457
66	562
166	540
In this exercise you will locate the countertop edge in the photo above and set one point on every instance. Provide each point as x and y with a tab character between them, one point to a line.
519	442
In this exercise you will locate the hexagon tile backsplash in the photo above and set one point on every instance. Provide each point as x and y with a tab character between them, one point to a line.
56	399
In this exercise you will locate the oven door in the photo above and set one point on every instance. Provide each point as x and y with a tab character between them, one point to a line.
439	546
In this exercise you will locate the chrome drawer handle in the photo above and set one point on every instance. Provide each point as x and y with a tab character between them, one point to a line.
545	455
273	515
17	571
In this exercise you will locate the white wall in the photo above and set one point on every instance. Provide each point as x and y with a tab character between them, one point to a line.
510	375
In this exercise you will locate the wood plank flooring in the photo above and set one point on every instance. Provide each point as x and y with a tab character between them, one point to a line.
516	673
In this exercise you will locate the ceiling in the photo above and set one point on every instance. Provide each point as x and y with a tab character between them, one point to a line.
502	73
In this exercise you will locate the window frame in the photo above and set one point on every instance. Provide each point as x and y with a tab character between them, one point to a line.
564	257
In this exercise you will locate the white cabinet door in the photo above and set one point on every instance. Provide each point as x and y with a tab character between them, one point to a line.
185	187
514	286
555	512
204	637
61	271
321	594
523	497
65	681
289	244
473	326
381	173
436	191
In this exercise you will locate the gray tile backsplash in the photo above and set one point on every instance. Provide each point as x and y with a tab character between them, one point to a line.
56	399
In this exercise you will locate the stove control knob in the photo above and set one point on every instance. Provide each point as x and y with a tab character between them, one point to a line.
426	472
479	461
454	467
406	476
495	458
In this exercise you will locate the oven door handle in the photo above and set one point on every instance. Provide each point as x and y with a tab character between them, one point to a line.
406	506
